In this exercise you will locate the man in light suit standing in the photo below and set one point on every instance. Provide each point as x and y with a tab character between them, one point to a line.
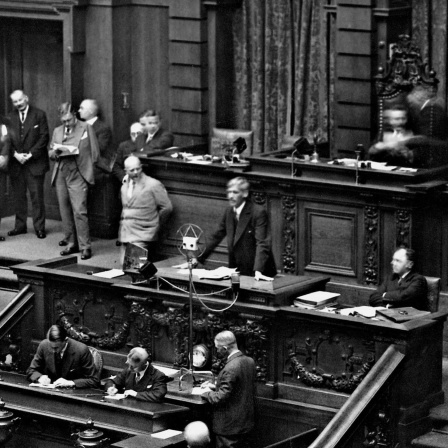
75	148
233	396
29	137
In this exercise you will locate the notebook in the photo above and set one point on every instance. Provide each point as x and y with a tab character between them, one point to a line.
403	314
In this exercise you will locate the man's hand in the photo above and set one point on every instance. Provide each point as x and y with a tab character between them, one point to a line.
21	158
44	380
62	382
112	390
130	392
260	276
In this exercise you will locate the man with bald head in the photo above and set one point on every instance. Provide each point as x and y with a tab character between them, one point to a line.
146	207
140	379
88	112
233	396
125	149
197	435
29	136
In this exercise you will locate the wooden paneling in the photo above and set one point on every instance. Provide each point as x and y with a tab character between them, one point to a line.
187	53
354	18
353	42
189	123
354	92
188	100
188	30
355	116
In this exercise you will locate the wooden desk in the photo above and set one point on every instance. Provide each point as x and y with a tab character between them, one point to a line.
127	416
151	442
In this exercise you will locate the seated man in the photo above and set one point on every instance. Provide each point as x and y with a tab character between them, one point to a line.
62	361
197	435
140	379
125	149
393	146
404	287
155	137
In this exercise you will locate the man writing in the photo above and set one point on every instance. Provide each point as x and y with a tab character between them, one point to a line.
404	287
140	379
62	361
245	225
233	396
146	207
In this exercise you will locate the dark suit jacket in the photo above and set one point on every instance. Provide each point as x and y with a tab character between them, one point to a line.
249	246
152	387
107	149
412	291
77	364
233	400
84	138
35	141
124	150
162	139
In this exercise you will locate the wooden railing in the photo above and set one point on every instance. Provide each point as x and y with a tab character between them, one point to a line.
361	402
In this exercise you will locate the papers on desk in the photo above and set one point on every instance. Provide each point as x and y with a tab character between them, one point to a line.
364	311
216	274
111	273
166	434
373	165
316	299
115	397
43	386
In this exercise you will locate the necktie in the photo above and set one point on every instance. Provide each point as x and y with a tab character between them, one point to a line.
58	364
22	117
235	220
130	188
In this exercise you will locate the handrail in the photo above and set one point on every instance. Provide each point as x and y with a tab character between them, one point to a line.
16	299
360	401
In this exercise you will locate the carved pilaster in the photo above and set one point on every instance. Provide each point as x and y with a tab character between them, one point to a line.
403	224
371	245
289	233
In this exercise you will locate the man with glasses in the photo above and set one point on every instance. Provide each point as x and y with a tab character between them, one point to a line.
62	361
74	147
140	379
233	396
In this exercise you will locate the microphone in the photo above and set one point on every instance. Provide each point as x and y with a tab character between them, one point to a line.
235	280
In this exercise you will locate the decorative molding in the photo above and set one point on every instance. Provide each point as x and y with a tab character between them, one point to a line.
289	208
371	240
259	197
28	281
315	376
403	222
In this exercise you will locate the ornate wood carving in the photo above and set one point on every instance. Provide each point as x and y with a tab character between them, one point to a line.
259	197
403	224
289	233
355	365
371	215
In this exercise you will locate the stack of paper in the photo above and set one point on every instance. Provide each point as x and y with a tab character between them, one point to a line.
316	300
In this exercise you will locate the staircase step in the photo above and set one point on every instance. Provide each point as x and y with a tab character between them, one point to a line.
433	439
439	416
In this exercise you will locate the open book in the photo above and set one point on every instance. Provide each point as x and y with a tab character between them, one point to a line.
65	150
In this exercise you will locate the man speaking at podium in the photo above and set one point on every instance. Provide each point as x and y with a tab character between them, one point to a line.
245	225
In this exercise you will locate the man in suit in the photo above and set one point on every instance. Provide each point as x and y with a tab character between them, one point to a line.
197	435
404	287
62	361
73	173
125	149
155	137
146	207
245	225
140	379
233	396
88	112
29	137
4	160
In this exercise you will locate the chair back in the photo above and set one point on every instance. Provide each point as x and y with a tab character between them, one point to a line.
433	293
222	138
97	360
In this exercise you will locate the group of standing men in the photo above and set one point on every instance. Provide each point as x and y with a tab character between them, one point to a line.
83	151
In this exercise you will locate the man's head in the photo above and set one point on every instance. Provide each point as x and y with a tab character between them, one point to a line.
397	117
137	359
67	115
150	120
19	100
197	435
402	261
135	131
88	109
57	335
133	167
237	191
225	343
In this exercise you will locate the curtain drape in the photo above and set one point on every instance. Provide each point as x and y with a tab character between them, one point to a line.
282	68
